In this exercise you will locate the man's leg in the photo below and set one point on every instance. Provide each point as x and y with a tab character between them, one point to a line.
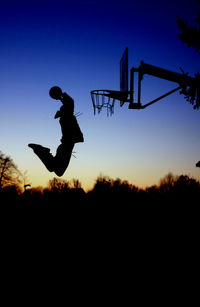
44	155
60	162
62	158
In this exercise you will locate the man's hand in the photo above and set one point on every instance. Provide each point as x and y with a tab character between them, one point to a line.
57	114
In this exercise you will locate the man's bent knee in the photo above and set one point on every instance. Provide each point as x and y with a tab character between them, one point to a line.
59	173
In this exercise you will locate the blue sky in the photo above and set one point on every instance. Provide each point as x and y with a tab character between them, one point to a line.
78	46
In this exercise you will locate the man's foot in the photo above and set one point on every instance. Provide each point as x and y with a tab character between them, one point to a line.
37	147
198	164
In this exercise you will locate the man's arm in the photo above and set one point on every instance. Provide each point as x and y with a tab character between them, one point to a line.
57	114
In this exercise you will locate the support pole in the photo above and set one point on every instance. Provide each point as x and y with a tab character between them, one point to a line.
140	76
132	85
181	79
161	97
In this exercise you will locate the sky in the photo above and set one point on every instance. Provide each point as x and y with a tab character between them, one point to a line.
78	45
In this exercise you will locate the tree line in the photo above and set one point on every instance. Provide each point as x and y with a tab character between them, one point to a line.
14	187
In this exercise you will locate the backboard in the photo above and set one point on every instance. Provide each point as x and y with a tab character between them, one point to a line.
124	72
106	98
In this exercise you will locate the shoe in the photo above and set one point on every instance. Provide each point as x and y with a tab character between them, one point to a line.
37	147
198	164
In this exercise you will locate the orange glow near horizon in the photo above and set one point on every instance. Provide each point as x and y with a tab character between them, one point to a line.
68	45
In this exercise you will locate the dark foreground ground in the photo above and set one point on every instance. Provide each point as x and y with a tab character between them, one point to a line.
111	203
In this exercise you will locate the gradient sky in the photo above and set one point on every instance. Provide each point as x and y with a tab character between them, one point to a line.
78	45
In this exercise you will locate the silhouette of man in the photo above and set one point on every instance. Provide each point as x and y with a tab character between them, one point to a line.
71	134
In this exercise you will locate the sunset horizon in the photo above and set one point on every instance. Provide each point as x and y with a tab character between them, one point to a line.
78	47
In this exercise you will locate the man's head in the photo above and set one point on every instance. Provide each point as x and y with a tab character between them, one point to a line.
55	92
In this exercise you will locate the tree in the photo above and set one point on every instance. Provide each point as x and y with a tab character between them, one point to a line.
9	173
58	185
167	183
76	184
190	35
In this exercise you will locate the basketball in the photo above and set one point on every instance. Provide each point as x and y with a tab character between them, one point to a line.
55	92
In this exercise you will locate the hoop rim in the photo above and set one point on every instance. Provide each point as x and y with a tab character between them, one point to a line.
106	98
118	95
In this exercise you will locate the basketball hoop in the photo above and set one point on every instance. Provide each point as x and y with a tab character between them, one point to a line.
102	99
106	99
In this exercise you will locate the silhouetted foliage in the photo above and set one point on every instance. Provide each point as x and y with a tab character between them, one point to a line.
167	183
9	173
58	185
186	186
172	190
9	194
190	35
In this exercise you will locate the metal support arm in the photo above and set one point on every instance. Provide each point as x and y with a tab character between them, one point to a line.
155	71
161	97
181	79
